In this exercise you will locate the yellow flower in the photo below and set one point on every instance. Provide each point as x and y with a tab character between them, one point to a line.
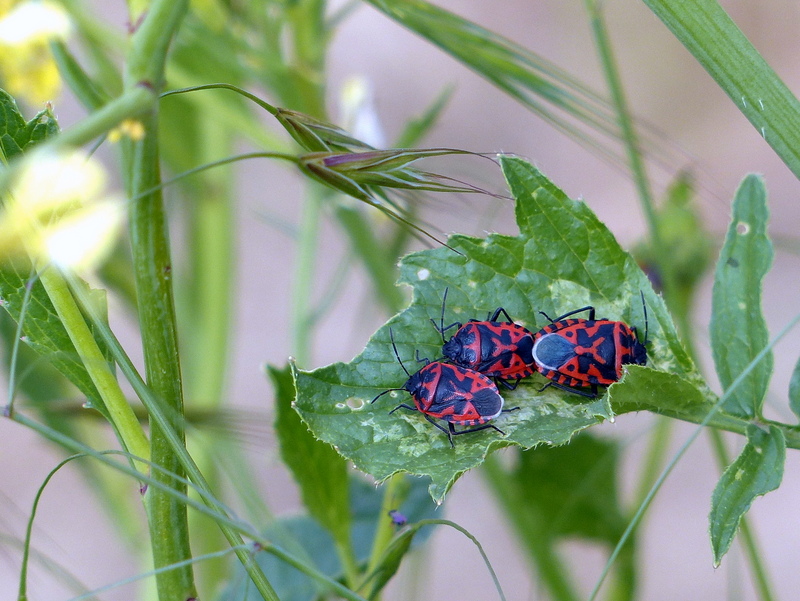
130	128
27	67
57	211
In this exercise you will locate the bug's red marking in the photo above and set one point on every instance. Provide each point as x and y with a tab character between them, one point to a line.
452	394
502	350
586	353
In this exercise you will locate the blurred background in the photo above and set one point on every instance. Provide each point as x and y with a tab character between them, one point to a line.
701	131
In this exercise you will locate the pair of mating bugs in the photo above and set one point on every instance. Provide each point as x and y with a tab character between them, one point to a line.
575	354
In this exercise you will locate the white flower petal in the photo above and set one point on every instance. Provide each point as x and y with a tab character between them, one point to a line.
83	238
34	21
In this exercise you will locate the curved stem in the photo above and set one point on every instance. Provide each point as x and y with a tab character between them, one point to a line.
122	416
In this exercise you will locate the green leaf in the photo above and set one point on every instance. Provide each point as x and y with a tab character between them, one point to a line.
758	470
738	329
16	135
318	469
42	328
706	30
43	331
573	488
794	390
664	393
564	258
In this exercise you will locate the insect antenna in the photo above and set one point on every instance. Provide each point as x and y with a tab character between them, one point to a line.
396	354
441	319
440	327
385	392
646	325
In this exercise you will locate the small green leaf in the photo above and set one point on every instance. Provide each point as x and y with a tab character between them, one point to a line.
564	258
794	390
758	470
738	329
318	469
16	134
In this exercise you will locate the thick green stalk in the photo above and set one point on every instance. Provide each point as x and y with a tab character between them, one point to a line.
152	264
122	416
147	55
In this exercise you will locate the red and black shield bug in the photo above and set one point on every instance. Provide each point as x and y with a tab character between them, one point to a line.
502	350
587	353
452	394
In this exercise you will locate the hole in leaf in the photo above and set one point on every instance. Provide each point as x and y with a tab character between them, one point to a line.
355	403
742	228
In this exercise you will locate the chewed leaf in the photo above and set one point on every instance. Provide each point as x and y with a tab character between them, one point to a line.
738	328
563	259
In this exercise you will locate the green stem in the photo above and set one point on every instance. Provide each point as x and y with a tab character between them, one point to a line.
625	122
158	415
152	264
122	416
132	103
384	530
150	42
749	539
